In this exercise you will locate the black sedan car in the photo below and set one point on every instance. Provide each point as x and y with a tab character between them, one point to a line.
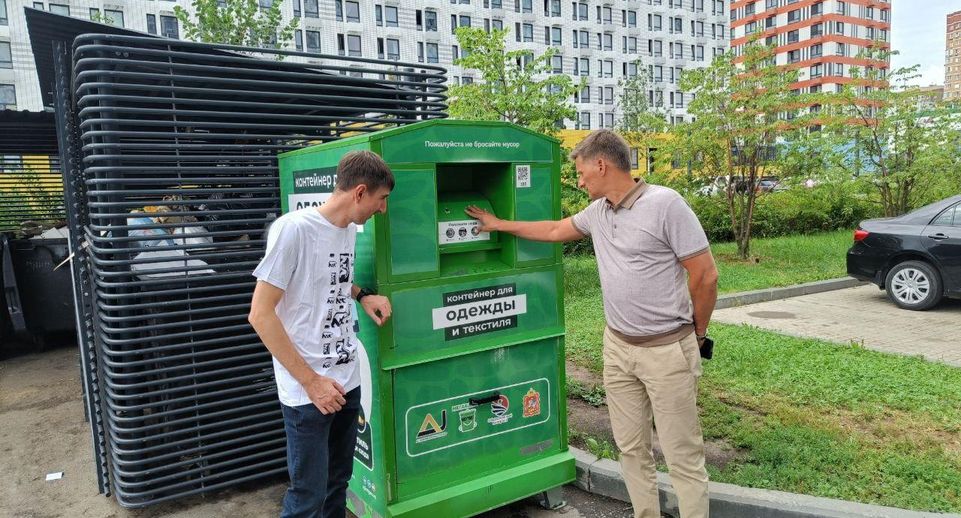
915	257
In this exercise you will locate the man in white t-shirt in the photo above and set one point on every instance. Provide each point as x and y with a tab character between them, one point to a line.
303	311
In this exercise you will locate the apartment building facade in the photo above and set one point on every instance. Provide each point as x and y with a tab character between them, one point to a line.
821	38
600	41
952	58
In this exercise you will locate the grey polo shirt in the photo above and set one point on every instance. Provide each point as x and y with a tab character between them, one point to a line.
639	244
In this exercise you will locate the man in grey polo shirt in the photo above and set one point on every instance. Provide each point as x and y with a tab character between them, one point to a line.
659	285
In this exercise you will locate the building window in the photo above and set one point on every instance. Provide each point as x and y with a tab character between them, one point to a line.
557	64
113	17
528	32
794	16
584	121
60	9
552	8
654	22
6	57
770	4
8	97
152	24
313	41
585	95
816	50
311	10
353	45
817	70
430	20
353	12
432	55
393	49
169	27
296	8
793	36
817	29
794	56
299	40
497	25
556	36
580	12
390	15
3	12
524	6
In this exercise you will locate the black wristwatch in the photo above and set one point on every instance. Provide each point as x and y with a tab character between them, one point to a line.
364	292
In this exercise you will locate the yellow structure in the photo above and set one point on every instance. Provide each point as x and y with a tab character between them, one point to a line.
642	157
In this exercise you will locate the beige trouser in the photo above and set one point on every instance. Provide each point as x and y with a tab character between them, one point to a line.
657	385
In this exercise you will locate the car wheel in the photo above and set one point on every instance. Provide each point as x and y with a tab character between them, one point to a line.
914	285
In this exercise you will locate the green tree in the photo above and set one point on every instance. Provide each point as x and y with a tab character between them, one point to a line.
643	119
516	86
237	22
742	109
894	136
640	115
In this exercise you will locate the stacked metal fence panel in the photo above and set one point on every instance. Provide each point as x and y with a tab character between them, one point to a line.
178	145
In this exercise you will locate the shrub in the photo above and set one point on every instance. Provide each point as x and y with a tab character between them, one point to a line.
798	210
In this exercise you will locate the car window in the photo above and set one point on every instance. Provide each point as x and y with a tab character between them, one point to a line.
950	217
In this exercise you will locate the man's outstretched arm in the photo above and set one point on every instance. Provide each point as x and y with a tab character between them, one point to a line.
548	231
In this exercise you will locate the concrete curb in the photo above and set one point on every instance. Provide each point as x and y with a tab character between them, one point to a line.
768	294
604	477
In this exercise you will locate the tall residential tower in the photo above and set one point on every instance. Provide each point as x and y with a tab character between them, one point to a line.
952	58
822	38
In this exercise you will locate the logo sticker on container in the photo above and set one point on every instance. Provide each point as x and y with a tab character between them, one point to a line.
532	403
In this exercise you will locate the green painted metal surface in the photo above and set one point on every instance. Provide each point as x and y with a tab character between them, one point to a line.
464	395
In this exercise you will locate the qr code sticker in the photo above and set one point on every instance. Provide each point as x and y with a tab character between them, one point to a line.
523	173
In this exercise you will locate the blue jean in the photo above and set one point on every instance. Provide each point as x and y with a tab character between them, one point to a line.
320	459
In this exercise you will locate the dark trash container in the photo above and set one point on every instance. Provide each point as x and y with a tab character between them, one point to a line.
45	291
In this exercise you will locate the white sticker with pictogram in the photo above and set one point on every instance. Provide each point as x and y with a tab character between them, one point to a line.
465	231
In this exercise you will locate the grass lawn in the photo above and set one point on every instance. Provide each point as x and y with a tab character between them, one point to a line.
782	261
809	416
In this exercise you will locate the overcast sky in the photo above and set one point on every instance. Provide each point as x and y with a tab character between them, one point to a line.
918	33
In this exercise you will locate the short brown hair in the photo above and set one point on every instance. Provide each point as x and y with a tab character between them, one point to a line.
606	144
363	167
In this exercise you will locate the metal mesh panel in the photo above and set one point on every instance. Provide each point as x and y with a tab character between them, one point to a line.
179	143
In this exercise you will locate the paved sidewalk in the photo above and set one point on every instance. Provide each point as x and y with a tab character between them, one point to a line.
863	315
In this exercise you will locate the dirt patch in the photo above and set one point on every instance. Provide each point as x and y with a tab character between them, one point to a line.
582	375
44	432
595	421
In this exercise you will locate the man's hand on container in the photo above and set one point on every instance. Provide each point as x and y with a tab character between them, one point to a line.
488	221
377	308
326	394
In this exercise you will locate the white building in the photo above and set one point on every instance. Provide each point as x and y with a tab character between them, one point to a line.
599	40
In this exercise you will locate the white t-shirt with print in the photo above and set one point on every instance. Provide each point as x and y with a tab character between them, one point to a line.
312	260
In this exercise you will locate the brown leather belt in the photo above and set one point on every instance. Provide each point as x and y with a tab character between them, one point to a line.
668	337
